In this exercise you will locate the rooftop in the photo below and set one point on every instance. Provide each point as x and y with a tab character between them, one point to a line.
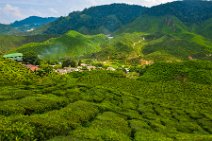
13	55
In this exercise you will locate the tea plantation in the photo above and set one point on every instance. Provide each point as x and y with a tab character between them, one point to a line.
165	102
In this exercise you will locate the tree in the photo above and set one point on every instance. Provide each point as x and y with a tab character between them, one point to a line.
69	62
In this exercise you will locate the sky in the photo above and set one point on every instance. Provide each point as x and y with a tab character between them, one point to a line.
12	10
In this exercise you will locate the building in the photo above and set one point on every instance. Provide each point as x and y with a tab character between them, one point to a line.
15	56
32	67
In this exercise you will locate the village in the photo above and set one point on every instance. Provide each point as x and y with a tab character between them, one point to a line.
63	70
81	68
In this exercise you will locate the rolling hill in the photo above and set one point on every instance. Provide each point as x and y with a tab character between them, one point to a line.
126	48
9	42
71	44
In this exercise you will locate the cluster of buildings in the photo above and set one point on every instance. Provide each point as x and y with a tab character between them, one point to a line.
81	68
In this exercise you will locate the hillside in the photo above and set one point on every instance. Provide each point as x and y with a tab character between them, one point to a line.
23	27
126	48
204	28
189	12
94	20
71	44
33	21
152	24
9	42
109	73
6	29
13	73
109	18
167	102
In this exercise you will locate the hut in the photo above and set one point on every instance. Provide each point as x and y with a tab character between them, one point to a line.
15	56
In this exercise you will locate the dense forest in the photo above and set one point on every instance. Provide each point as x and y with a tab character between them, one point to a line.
109	18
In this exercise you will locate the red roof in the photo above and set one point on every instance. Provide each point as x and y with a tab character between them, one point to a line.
32	67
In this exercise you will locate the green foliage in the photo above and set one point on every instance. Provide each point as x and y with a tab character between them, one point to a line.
109	19
72	45
69	62
13	73
186	71
101	19
15	130
107	126
11	42
149	24
168	101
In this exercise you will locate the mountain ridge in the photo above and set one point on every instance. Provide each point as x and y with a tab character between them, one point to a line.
26	25
87	21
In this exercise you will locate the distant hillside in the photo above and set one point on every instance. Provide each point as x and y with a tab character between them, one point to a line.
9	42
25	26
127	48
7	29
109	18
101	19
144	48
190	11
152	24
33	21
204	28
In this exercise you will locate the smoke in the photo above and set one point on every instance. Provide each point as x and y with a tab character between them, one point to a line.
55	52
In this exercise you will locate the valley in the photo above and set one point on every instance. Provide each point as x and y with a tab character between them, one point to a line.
114	72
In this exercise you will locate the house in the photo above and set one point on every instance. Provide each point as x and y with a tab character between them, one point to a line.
69	70
111	69
15	56
32	67
61	71
91	68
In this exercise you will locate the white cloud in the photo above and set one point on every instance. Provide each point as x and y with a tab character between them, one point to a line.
13	11
52	10
9	12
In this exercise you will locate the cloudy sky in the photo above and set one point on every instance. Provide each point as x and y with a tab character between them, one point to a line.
11	10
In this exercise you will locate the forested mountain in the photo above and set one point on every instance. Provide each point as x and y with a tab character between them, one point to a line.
5	29
152	24
101	19
189	12
27	25
33	21
109	18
